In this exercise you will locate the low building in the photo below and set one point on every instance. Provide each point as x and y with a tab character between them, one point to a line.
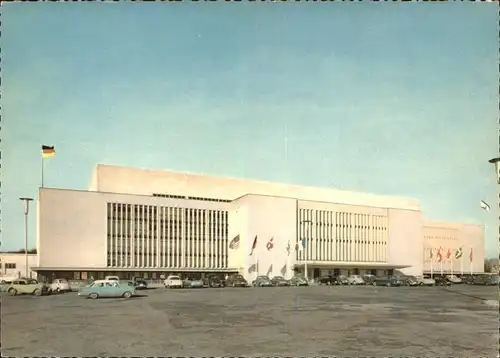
136	222
453	248
13	265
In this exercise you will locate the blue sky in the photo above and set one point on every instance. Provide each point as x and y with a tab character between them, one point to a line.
393	99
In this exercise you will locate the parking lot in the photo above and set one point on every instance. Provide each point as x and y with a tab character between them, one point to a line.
290	321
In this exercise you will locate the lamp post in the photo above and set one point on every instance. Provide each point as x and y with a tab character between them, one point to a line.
305	248
495	162
26	211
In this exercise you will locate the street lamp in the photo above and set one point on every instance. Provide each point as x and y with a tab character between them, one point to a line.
26	211
307	244
495	162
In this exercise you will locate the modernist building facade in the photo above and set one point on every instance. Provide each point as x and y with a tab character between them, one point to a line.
151	223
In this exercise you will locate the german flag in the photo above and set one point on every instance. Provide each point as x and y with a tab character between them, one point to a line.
48	151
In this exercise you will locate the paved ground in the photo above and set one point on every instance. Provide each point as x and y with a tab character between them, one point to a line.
312	321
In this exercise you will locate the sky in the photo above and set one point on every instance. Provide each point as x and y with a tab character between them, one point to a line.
390	99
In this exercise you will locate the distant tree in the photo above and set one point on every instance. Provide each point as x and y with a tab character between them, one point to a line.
21	251
491	265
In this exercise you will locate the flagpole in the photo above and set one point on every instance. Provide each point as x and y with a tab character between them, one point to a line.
42	171
470	259
432	261
462	264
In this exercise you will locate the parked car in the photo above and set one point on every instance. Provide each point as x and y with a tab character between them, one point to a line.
213	281
342	280
173	281
388	281
140	284
355	280
298	280
328	280
369	279
442	281
280	281
236	280
453	279
409	280
27	287
486	280
426	281
60	285
192	282
7	279
468	279
106	288
262	281
111	278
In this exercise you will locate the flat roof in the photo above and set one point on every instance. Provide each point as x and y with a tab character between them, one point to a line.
121	179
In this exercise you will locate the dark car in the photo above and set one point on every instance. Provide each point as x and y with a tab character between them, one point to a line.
485	280
214	281
369	279
467	279
280	281
442	281
140	284
342	280
236	281
388	281
328	280
262	281
409	280
298	280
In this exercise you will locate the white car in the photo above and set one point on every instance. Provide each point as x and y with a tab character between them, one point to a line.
454	279
111	278
173	282
425	281
60	285
355	280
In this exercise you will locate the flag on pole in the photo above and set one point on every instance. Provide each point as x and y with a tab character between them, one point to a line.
270	244
485	206
48	151
470	255
254	245
431	254
289	247
459	253
235	243
304	243
440	254
448	254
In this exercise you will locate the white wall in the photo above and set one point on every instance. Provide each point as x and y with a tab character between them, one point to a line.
448	235
72	225
19	259
267	217
117	179
406	240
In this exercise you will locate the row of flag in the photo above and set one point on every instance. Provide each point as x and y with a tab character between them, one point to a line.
235	244
441	255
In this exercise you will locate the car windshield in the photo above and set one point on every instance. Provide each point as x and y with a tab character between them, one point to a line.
238	277
174	278
279	278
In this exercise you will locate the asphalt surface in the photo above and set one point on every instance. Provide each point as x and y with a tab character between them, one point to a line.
298	321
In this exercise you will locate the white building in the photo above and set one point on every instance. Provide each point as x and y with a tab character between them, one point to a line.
150	223
13	265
